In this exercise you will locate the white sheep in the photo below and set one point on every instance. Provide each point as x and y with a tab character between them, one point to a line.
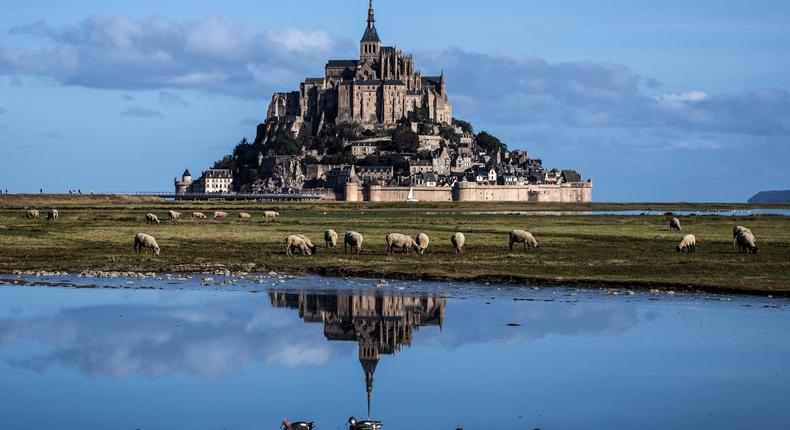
736	231
309	243
674	224
145	242
174	216
271	214
401	242
296	243
521	236
330	237
32	214
151	219
244	215
688	244
198	215
423	241
458	240
746	242
220	214
53	215
354	240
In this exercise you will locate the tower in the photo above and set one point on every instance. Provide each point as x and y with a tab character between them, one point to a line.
370	45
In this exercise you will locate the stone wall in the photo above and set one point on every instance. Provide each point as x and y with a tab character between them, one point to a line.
471	192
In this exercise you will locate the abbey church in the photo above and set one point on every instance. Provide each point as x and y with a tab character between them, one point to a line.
381	87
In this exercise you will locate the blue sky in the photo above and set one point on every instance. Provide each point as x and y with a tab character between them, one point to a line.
669	100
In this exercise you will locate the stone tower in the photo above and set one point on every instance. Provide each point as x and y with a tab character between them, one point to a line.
370	45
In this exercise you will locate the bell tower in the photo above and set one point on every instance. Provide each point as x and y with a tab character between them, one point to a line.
370	46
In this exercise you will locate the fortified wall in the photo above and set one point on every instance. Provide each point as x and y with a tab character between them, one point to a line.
577	192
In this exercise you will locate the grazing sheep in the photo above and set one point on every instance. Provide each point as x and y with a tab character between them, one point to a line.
145	242
354	240
198	215
296	243
746	242
174	216
458	240
422	241
151	219
521	236
736	231
220	214
688	244
244	215
330	237
32	214
309	243
53	214
402	242
674	224
271	214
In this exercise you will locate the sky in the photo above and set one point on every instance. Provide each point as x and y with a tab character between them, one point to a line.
653	100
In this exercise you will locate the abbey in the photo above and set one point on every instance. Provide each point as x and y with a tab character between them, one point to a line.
381	87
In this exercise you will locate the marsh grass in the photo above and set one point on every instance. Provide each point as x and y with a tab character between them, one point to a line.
637	251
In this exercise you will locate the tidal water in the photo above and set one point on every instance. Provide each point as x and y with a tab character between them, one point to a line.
214	352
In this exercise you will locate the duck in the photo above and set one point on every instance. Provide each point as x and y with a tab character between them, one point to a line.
353	424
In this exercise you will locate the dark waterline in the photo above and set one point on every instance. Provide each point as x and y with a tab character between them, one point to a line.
722	212
214	352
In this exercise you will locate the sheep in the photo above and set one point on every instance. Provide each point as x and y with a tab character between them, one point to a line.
198	215
736	231
308	242
220	214
174	216
145	242
746	242
354	240
296	243
53	215
244	215
271	214
521	236
688	244
422	241
330	237
401	242
674	224
32	214
458	240
151	219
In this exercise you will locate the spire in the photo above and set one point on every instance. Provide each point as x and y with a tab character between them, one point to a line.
371	35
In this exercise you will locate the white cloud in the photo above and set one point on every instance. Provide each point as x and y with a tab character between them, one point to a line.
212	53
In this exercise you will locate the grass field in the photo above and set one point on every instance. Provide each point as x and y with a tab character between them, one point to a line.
637	251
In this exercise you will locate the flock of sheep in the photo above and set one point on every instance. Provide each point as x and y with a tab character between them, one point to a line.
741	236
396	242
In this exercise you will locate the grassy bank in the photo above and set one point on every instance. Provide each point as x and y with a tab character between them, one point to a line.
636	251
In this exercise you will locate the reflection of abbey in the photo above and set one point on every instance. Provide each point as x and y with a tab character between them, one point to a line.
376	129
379	324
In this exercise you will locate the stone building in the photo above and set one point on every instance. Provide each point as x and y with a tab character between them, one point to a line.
381	87
213	181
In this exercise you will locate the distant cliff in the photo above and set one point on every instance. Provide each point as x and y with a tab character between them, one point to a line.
771	197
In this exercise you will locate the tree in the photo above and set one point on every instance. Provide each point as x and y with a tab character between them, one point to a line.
489	143
286	144
406	140
465	126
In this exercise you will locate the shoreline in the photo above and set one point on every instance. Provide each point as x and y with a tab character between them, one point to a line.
337	273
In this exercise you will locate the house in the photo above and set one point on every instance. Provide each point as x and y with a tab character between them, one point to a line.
420	166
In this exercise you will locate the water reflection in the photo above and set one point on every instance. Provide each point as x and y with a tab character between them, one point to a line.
380	324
